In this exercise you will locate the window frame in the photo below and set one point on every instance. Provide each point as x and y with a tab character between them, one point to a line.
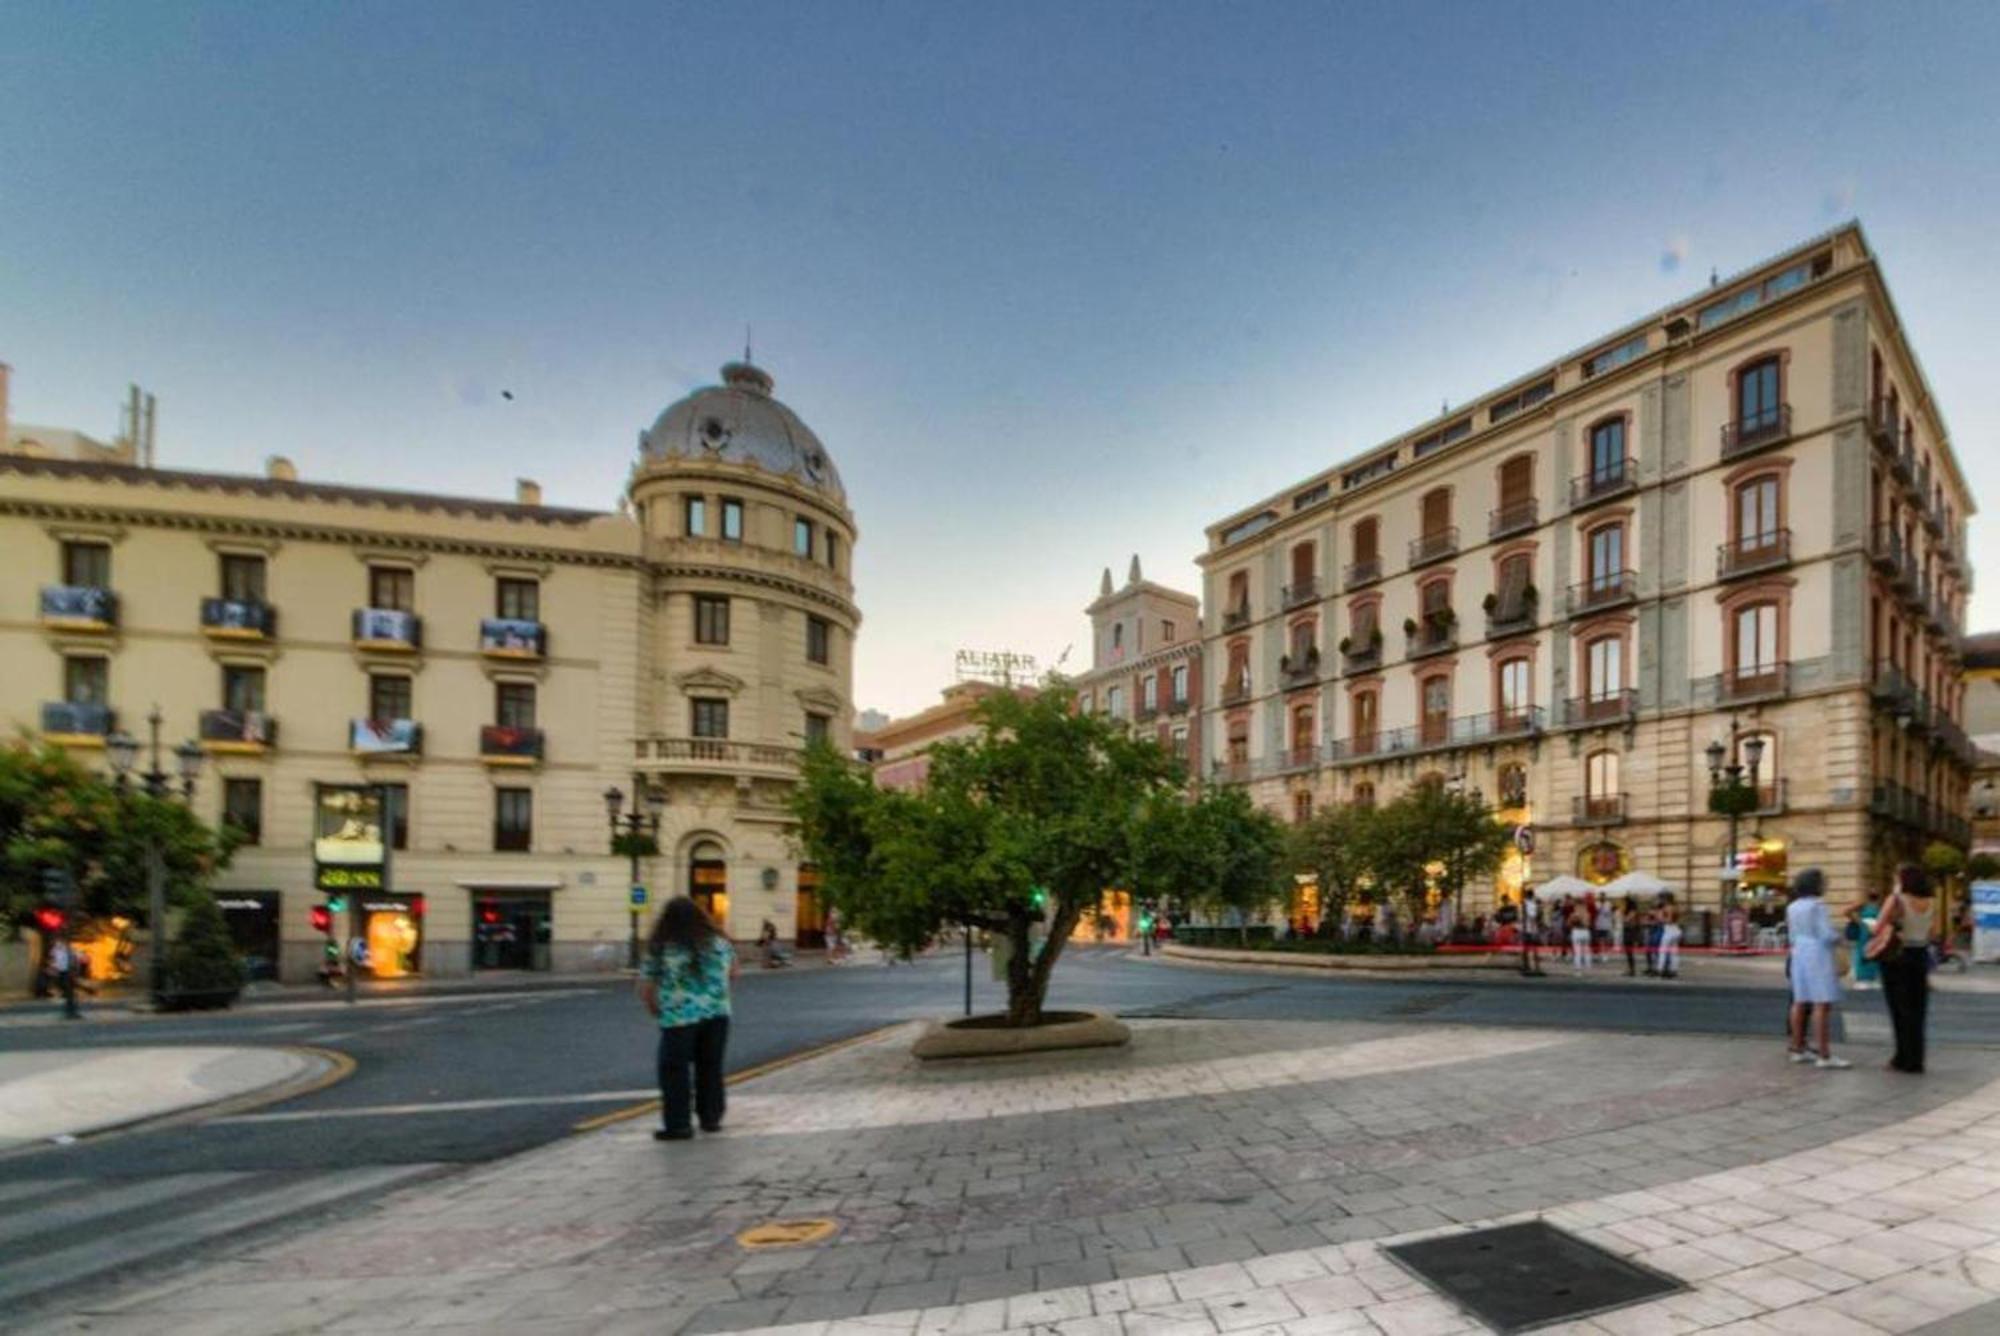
77	554
249	676
251	833
513	592
694	515
509	698
395	684
707	714
819	640
243	577
99	666
399	583
802	536
732	517
711	619
513	820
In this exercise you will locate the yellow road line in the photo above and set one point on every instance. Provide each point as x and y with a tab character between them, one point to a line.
640	1110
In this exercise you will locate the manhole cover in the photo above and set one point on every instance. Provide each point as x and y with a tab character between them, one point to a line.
1518	1277
786	1233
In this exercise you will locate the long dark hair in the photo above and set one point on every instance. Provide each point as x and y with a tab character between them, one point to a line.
681	924
1913	880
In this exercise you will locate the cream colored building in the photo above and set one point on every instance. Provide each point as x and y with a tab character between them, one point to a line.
506	663
1738	516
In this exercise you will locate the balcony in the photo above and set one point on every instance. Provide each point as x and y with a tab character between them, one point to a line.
1614	478
238	619
1300	592
79	608
1768	427
1361	656
1740	686
1178	705
1366	571
1519	517
1434	546
1231	772
1235	619
1235	693
1512	614
1770	799
249	732
1602	810
1300	670
389	629
1884	425
513	638
1609	590
1933	519
74	723
1600	708
500	744
1145	714
1438	735
385	737
1890	686
1885	548
1437	633
1298	758
715	756
1904	464
1753	552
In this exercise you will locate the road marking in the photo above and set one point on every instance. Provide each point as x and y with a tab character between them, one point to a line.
737	1078
440	1106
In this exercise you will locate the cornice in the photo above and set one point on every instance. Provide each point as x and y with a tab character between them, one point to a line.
763	580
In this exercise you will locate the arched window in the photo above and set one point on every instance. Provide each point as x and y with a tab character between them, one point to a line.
1364	794
1436	511
1239	741
1754	641
1607	454
1605	561
1759	397
1304	644
1513	785
1365	713
1117	635
1517	496
1367	561
1302	735
1515	694
1237	683
1756	519
1238	606
1604	677
1303	556
1302	807
1513	589
1601	797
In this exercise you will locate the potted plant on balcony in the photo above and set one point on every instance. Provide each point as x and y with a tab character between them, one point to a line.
1491	603
1374	639
1409	626
1347	646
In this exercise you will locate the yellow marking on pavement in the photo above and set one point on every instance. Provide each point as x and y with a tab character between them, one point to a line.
786	1233
737	1078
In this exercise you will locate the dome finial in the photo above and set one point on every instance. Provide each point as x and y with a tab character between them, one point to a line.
1133	577
748	360
1104	585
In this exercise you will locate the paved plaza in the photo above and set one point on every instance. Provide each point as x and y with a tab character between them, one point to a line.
1216	1176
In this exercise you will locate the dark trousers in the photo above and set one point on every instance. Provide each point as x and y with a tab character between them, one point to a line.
699	1045
1906	987
1632	936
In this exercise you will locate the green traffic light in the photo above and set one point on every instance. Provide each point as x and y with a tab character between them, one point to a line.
337	904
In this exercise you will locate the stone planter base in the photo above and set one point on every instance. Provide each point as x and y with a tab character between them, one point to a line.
985	1039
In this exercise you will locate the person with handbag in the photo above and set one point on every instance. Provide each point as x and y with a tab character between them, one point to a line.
1901	945
1814	976
684	983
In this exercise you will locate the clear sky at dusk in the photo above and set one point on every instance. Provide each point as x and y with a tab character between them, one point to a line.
1054	282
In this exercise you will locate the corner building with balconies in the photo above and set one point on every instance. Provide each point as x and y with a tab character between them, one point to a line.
1738	519
502	664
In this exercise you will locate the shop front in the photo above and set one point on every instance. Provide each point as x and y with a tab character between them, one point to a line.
809	915
511	929
391	943
252	917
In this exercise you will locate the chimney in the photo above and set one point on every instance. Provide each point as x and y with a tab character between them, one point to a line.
527	492
152	421
279	469
5	421
130	430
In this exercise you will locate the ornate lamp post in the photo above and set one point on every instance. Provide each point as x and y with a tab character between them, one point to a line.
1730	795
123	751
634	830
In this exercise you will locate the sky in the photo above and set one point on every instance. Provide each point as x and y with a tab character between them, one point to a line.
1055	283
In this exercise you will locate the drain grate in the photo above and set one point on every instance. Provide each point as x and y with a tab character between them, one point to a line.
1518	1277
1423	1004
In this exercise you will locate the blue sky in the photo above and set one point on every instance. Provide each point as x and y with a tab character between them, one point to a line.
1056	283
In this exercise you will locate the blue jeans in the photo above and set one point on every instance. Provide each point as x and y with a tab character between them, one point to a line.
699	1045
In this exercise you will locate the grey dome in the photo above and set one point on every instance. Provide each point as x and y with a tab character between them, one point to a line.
739	421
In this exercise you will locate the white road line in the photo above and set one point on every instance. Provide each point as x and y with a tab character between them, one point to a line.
443	1106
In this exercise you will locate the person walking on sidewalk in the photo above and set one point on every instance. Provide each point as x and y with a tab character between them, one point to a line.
685	985
1632	935
1906	927
1579	938
1531	928
1815	978
1670	936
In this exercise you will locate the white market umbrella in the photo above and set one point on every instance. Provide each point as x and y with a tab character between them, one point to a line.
1637	883
1564	887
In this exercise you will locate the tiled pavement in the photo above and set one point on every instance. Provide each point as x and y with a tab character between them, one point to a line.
1215	1176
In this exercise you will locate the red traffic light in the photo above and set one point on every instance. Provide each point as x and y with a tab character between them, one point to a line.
322	919
48	921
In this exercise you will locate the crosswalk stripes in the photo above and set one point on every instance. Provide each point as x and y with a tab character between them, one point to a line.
73	1230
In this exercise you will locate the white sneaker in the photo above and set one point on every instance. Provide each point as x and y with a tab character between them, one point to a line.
1832	1064
1800	1055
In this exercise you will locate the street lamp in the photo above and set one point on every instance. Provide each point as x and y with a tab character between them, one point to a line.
123	751
635	827
1728	793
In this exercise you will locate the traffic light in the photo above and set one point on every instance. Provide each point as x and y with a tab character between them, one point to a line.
1040	898
1145	923
322	918
48	921
489	912
336	904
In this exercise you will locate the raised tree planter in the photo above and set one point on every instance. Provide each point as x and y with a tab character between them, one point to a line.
1372	961
992	1037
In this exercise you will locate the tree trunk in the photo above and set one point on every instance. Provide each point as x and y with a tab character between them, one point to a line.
1024	1000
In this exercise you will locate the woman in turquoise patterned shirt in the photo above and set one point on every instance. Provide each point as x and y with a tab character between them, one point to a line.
685	984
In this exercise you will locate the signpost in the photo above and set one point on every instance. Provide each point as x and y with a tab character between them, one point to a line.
1986	920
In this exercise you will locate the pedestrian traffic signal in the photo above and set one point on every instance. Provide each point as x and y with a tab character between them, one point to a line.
1040	898
1145	923
322	918
336	904
48	921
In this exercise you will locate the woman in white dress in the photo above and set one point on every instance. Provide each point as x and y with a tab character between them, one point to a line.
1815	978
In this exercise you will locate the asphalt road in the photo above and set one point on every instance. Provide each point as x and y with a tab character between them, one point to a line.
452	1079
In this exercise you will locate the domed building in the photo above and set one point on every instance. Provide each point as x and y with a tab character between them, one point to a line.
494	689
748	545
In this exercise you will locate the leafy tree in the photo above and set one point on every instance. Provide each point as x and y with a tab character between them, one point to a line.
55	813
1338	847
1983	867
1431	835
1029	822
1219	853
203	962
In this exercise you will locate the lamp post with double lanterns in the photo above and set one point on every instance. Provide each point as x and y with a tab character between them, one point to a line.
123	750
634	829
1730	795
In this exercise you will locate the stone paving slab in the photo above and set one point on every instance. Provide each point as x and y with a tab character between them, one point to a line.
1215	1176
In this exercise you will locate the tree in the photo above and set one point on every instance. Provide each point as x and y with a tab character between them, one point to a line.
1029	822
1432	835
55	813
1219	853
1982	867
203	965
1337	846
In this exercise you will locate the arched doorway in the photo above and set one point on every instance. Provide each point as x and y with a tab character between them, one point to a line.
809	920
708	881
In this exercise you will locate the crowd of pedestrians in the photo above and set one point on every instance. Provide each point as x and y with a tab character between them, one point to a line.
1594	929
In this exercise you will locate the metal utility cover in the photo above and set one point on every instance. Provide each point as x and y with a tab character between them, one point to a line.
786	1233
1519	1277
